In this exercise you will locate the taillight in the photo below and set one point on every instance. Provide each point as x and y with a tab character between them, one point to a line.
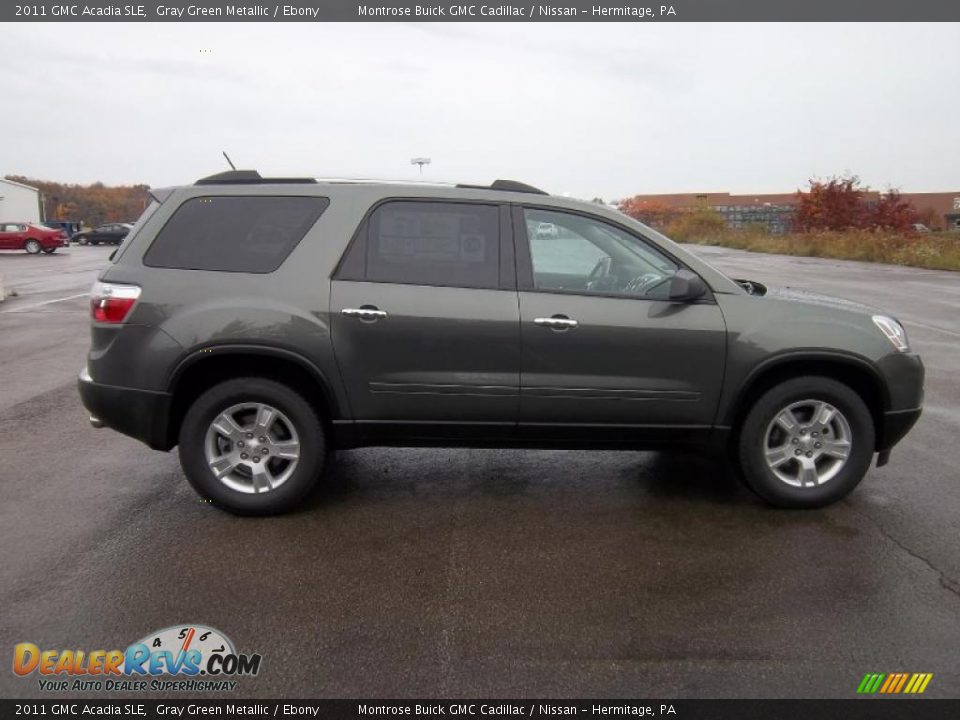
111	303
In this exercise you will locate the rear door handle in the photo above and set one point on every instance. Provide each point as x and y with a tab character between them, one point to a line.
367	313
557	322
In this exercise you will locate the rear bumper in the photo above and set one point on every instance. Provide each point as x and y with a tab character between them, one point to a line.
141	414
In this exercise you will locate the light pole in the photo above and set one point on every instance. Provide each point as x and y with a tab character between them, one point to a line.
421	161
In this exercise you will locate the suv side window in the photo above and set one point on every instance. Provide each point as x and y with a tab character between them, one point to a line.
243	233
433	243
575	253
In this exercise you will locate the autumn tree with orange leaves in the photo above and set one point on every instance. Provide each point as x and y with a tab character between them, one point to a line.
650	212
843	204
92	204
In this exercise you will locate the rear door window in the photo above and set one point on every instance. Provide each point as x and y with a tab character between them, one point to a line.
434	243
252	233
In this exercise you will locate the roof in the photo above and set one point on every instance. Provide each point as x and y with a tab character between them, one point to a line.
20	185
252	177
942	203
715	199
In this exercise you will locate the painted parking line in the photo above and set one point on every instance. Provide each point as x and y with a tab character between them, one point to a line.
22	308
931	327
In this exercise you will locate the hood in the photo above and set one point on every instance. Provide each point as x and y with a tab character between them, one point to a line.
812	298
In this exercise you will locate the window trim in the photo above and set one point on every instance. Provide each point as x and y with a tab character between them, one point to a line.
324	200
524	259
507	275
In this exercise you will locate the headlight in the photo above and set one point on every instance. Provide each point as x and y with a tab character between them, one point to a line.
893	330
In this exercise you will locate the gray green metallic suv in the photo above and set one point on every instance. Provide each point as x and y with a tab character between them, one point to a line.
260	323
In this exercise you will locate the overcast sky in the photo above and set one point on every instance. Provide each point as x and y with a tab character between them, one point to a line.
590	109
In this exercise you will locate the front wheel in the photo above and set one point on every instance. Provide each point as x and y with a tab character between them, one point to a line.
32	246
252	446
806	443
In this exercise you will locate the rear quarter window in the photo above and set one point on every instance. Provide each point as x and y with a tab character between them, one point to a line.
251	234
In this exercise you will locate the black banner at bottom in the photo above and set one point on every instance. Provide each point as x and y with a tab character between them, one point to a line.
858	709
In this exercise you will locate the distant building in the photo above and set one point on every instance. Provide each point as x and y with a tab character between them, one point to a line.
775	211
943	207
19	203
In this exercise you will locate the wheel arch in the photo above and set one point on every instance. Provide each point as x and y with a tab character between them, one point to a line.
210	365
855	372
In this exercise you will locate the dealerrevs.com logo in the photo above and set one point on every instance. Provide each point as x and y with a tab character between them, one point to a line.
187	658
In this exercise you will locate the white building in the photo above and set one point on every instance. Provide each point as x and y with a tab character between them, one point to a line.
18	202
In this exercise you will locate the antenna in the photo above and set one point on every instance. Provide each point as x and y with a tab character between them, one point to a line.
421	161
232	166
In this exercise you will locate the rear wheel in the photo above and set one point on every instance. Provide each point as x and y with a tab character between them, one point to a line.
252	446
806	443
32	246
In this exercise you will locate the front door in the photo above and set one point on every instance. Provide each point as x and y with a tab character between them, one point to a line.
604	349
425	321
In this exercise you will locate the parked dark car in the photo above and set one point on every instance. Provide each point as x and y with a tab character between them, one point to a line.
109	234
259	324
31	237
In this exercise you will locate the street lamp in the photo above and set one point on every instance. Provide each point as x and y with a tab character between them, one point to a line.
421	161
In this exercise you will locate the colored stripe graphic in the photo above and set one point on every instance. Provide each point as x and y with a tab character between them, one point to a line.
894	683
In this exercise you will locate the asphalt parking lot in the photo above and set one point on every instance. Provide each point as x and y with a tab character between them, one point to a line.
479	572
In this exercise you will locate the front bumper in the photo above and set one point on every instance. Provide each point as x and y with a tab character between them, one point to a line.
141	414
894	425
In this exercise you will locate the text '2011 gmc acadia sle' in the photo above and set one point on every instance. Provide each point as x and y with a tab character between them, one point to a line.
260	323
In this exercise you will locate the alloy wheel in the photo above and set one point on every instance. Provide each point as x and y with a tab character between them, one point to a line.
807	443
252	447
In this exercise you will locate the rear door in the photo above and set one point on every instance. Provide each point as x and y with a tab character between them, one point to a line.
605	351
425	320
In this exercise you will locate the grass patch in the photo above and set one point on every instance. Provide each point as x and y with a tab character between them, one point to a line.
935	251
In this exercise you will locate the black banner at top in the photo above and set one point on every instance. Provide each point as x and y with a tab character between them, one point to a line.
492	11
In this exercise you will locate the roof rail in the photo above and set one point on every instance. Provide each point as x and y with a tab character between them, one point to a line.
507	186
247	177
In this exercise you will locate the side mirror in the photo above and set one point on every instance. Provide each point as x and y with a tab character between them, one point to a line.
686	285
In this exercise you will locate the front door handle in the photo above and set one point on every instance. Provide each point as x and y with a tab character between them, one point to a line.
557	322
367	313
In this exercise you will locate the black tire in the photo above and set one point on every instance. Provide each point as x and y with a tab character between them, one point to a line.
33	246
752	444
301	414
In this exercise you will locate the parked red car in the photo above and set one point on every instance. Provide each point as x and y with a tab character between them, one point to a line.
32	238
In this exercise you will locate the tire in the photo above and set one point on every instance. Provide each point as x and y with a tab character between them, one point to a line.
82	241
50	251
32	246
776	461
238	490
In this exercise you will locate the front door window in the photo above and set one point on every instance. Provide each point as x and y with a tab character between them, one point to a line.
574	253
